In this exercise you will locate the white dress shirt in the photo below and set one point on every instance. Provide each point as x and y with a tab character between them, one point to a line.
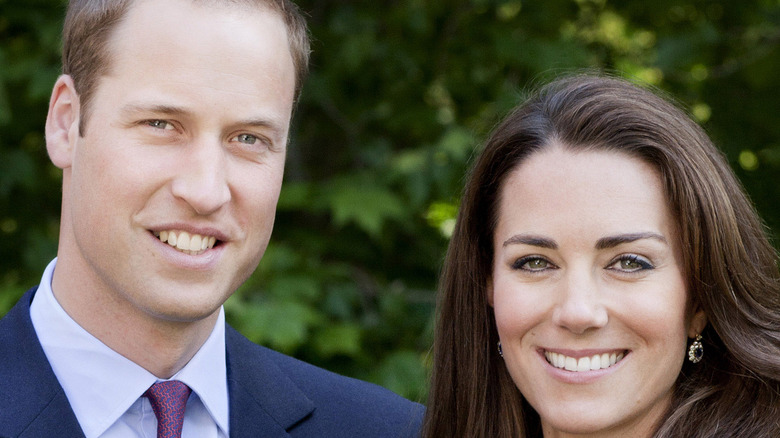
105	388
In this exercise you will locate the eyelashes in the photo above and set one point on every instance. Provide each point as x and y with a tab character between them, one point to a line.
159	124
533	263
624	263
631	263
169	129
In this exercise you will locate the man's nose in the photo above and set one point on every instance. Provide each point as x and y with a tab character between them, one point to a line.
580	306
202	178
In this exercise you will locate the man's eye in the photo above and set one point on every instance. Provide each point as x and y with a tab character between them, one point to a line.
159	124
246	139
631	263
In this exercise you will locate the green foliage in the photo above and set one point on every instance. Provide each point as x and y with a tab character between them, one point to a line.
400	95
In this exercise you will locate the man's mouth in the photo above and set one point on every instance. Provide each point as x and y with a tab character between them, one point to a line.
188	243
587	363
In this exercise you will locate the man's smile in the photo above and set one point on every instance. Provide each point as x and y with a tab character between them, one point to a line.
188	243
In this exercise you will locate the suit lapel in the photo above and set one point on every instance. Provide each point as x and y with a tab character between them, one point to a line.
33	402
264	402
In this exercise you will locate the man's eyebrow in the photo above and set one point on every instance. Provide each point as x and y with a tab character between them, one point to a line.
261	123
257	122
527	239
133	108
613	241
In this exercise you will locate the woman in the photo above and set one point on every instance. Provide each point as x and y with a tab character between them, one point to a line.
607	277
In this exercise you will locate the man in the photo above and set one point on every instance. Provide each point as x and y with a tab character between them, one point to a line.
170	125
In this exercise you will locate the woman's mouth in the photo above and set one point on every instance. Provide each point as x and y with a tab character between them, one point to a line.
586	363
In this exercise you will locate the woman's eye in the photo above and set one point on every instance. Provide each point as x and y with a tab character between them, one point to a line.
159	124
246	139
532	264
631	263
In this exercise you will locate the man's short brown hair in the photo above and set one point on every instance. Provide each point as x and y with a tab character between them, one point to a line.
89	25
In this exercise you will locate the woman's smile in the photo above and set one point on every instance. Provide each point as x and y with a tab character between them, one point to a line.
590	362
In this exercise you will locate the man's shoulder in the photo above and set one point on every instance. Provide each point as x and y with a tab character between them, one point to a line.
17	341
351	406
329	385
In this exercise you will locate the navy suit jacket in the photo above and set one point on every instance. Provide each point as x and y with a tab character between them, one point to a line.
271	395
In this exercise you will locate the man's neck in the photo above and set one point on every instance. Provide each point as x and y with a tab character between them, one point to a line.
162	347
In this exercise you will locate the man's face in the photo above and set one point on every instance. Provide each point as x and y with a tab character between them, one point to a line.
170	197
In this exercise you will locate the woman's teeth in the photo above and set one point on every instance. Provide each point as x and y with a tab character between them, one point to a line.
590	363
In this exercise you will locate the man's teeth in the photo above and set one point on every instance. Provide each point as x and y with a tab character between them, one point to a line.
188	243
595	362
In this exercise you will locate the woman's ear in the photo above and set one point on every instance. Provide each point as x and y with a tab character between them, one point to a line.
62	122
698	322
489	291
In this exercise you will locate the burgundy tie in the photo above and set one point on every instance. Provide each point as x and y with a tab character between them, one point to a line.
168	400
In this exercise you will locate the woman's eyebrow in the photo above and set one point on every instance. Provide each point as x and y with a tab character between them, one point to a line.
613	241
528	239
603	243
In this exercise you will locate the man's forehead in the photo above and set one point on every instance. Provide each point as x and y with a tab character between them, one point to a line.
265	6
174	54
164	26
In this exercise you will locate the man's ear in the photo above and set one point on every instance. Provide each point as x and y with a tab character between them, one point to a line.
62	122
698	322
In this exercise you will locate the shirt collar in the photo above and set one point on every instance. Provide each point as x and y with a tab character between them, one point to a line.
100	383
202	371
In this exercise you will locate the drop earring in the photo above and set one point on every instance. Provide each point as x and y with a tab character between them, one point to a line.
500	351
696	350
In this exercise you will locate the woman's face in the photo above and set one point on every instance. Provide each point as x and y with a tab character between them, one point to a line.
588	292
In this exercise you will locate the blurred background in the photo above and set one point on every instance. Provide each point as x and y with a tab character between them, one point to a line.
400	96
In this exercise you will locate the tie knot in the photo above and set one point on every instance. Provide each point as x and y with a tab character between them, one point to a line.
168	400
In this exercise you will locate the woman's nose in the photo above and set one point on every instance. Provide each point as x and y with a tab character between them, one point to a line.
580	305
